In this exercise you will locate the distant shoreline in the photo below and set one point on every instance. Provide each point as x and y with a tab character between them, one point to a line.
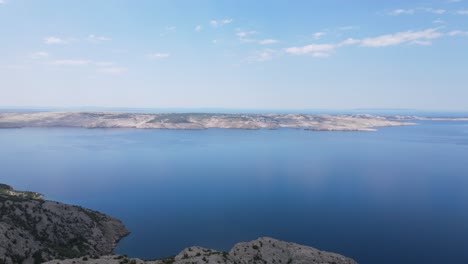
199	121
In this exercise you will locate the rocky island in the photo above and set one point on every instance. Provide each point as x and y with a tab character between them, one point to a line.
33	230
361	122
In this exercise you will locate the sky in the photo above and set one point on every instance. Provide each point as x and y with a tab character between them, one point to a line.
237	54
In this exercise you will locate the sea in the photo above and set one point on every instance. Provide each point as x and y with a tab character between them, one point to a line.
395	196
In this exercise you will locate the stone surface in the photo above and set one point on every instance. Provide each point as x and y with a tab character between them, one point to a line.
261	251
33	230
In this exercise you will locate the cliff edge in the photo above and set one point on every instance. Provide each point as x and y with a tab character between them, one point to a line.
33	230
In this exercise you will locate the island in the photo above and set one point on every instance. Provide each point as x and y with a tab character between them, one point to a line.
357	122
34	230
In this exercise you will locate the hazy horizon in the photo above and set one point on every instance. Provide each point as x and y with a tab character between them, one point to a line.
212	109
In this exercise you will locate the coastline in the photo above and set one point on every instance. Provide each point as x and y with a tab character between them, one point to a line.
201	121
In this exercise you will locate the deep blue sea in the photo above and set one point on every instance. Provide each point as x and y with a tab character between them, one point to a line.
396	196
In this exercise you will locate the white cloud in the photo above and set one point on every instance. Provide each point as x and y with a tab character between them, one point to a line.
198	28
244	37
54	40
421	42
267	41
462	12
99	66
438	21
411	37
219	23
453	1
349	41
2	2
113	70
423	37
455	33
39	55
320	50
318	35
71	62
96	39
436	11
243	34
316	50
159	55
263	55
397	12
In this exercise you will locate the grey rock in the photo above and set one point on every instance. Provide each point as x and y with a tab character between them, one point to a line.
264	250
33	230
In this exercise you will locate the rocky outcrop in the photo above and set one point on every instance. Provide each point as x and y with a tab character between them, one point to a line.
33	230
261	251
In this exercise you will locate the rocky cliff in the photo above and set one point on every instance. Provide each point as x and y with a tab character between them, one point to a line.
33	230
261	251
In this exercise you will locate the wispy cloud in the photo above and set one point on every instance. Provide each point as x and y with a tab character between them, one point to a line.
198	28
245	36
219	23
397	12
438	21
401	11
97	39
435	11
423	37
2	2
267	41
318	35
316	50
156	56
78	62
411	37
54	40
462	12
39	55
455	33
263	55
349	41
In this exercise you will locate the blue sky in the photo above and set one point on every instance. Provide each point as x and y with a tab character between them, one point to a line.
235	54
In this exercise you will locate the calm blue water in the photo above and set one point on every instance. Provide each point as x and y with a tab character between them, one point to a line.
396	196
